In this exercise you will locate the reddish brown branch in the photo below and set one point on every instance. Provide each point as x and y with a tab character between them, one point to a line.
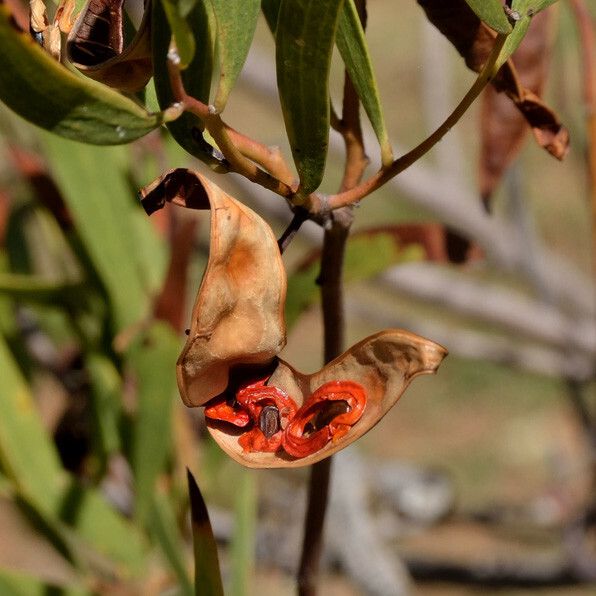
240	151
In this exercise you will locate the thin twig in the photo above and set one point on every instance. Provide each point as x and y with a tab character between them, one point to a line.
234	145
330	281
300	216
348	197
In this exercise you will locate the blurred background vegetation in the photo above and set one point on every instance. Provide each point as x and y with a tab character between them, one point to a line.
484	463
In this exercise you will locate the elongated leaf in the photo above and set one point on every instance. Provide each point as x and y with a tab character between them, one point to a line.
29	458
354	52
154	362
304	44
182	33
525	10
502	126
236	23
207	573
492	13
163	525
243	541
16	584
46	93
98	198
514	39
106	393
26	452
531	7
188	129
37	288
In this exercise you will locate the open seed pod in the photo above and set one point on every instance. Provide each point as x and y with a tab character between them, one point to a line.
95	46
238	316
283	418
259	409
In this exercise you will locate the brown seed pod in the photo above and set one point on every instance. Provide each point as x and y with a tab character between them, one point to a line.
339	403
238	313
95	46
259	409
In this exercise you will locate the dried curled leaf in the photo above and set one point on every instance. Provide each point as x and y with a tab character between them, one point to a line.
96	46
238	313
502	126
474	41
331	408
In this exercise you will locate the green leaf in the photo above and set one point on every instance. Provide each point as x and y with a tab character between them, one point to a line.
181	30
153	360
525	9
353	48
236	23
29	458
304	44
46	93
188	129
243	540
106	396
36	288
26	453
16	584
207	573
492	13
164	527
99	199
531	7
515	37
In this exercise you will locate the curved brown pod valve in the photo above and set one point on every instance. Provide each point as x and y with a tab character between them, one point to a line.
95	46
260	410
334	406
237	318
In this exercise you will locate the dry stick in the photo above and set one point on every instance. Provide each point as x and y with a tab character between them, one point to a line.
353	195
330	282
585	25
300	216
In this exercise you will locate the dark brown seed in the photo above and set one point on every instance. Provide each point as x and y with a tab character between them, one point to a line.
269	421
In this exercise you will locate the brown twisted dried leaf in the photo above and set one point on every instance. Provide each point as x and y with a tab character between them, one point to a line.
96	46
238	313
384	364
502	126
474	41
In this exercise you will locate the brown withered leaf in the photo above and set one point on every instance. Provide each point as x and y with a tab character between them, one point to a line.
96	46
502	126
383	364
474	41
238	313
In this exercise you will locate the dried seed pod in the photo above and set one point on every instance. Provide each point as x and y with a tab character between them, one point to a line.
238	313
336	405
260	410
96	46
